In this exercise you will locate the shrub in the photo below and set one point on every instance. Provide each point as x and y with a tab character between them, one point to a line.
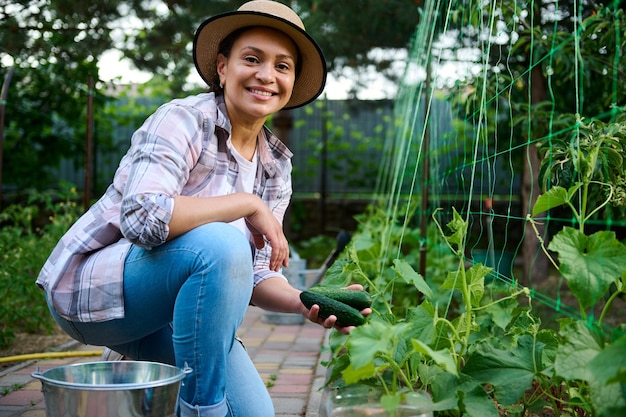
24	247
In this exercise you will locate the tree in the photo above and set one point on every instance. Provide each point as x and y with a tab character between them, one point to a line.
347	31
54	49
55	46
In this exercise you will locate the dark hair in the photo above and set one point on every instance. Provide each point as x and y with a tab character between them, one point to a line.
225	48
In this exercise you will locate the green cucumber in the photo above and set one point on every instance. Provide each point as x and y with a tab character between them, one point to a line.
358	299
346	315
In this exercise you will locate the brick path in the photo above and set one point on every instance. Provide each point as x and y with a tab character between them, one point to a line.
287	357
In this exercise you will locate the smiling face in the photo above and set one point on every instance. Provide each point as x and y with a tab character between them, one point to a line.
259	73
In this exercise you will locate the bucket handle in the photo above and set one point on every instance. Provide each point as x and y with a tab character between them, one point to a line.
37	375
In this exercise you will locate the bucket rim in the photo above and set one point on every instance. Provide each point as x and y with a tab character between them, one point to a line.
182	373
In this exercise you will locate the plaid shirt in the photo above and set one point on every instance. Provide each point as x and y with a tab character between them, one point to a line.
184	148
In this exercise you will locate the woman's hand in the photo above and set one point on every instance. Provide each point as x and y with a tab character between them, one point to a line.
264	226
331	321
276	294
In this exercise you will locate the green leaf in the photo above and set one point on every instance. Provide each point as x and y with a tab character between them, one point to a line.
452	281
342	273
609	365
408	275
578	348
475	277
463	393
336	366
554	197
458	393
608	400
476	401
607	384
502	313
458	227
422	322
476	282
372	339
362	243
442	357
352	375
550	342
365	342
590	264
444	397
511	372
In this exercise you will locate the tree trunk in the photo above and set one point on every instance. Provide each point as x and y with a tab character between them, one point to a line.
535	262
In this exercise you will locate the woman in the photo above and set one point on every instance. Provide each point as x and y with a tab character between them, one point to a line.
189	233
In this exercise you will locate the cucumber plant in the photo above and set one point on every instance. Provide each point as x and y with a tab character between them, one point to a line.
425	345
486	353
585	172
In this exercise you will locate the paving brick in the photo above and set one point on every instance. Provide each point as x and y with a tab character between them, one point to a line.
22	398
289	406
9	411
34	413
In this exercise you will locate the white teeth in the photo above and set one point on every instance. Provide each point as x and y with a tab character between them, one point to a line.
263	93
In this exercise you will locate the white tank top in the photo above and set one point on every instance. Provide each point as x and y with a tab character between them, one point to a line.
244	182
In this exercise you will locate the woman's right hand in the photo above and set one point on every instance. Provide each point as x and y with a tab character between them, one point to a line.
264	227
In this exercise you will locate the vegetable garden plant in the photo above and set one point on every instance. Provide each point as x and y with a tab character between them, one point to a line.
480	350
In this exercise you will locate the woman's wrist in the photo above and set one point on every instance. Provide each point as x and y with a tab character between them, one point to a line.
276	294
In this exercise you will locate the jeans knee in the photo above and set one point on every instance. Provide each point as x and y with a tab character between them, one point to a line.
226	246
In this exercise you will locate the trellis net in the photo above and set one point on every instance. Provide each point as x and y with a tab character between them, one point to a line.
498	101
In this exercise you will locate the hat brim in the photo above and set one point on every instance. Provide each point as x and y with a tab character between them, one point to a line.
309	83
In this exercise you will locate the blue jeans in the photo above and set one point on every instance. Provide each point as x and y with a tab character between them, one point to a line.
184	301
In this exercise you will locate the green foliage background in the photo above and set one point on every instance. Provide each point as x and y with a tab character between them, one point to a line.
24	247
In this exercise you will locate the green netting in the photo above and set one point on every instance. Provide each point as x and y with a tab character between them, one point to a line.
498	101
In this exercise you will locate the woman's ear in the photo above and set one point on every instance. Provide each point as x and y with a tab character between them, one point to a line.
222	63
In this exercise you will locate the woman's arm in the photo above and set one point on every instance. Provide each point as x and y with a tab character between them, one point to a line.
191	212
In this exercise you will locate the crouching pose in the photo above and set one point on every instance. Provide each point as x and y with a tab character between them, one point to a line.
163	266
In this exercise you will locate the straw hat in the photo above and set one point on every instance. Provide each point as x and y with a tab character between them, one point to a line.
309	82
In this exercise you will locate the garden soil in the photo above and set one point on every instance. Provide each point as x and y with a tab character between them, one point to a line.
26	343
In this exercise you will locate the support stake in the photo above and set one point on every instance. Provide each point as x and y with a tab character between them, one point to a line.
3	101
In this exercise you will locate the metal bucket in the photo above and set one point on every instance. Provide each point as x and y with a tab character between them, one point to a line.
112	389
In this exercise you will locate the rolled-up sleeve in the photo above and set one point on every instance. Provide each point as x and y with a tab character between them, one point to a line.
145	223
162	153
